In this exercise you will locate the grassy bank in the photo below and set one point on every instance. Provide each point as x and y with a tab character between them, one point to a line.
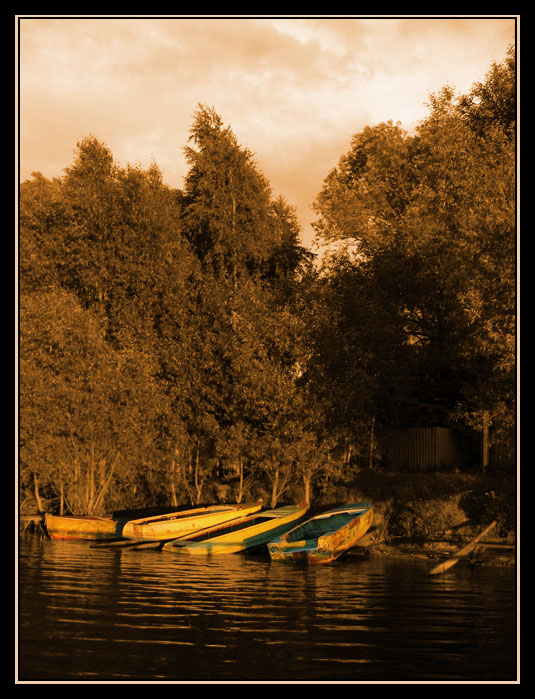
433	515
431	506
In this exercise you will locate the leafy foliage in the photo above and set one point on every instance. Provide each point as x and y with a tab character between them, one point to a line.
432	220
173	341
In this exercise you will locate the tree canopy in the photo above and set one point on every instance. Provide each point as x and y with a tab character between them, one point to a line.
432	219
184	346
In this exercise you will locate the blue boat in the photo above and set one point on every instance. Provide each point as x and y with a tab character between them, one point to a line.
323	538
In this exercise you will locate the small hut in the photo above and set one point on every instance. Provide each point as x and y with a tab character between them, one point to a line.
421	449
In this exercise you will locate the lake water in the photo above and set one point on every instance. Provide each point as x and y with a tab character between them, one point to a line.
88	614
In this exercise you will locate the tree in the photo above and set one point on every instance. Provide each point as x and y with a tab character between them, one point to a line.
492	103
288	258
105	238
465	216
262	393
432	220
364	197
120	230
226	200
88	413
248	248
41	217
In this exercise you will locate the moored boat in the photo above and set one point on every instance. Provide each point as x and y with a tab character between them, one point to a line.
248	533
323	538
88	527
176	524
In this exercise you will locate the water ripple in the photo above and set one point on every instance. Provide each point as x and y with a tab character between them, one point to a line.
143	615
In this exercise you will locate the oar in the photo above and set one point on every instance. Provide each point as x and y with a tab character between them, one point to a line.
461	552
125	544
148	545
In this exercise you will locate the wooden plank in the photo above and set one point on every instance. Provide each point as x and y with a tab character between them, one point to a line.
355	511
461	553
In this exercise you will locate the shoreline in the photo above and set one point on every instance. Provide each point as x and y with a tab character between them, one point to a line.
499	553
494	553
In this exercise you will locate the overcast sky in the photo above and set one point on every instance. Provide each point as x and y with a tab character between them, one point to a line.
293	90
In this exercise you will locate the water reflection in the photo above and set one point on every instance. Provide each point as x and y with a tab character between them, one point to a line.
147	615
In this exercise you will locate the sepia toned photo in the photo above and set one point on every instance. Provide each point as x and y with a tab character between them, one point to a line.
267	274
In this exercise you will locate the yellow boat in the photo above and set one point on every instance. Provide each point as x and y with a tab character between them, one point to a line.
177	524
87	527
240	535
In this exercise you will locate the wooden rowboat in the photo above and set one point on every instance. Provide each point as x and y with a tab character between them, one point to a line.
177	524
87	527
323	538
244	534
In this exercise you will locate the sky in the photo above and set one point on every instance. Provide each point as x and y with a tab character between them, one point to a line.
294	90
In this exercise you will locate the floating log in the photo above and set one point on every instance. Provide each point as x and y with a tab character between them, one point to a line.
461	552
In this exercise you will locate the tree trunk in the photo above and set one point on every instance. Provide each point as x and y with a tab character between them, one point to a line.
198	482
91	482
306	481
36	494
239	496
372	444
234	264
61	494
174	501
485	442
185	467
274	489
106	483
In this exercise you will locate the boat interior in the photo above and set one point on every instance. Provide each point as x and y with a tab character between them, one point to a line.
187	514
226	528
320	526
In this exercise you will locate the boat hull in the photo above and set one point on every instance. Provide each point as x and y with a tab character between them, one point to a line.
179	524
327	546
86	527
251	532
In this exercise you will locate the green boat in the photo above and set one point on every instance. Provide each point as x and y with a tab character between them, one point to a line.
244	534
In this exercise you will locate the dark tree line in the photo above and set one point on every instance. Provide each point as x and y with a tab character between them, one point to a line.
181	346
